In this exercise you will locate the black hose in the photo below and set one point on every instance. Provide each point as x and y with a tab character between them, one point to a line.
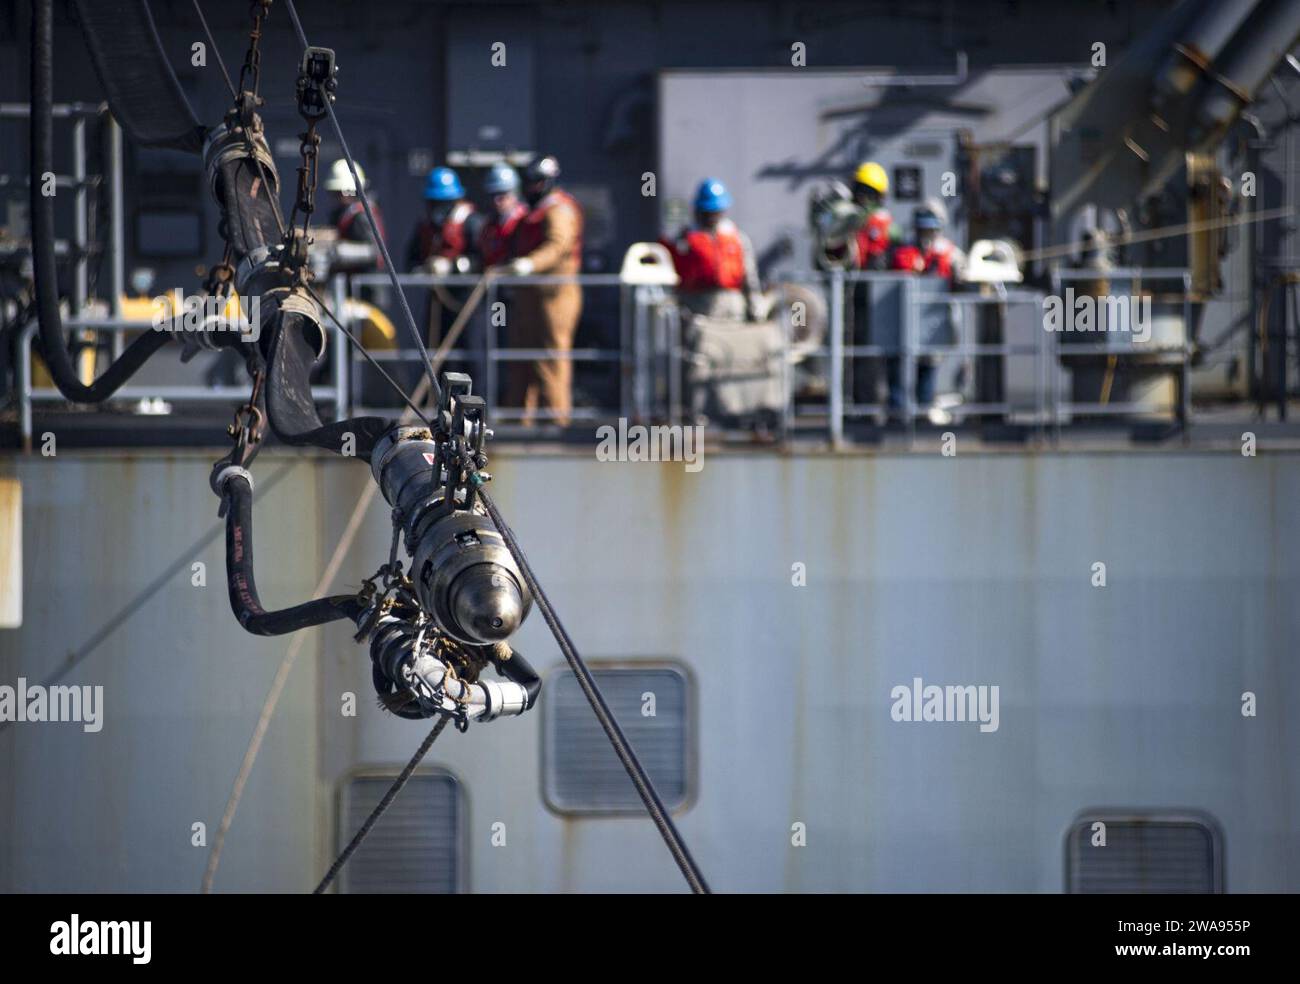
44	269
290	407
510	663
136	355
142	90
244	600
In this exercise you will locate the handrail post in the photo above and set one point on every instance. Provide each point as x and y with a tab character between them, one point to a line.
909	338
837	359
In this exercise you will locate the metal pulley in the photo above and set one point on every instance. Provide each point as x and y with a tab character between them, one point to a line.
315	91
316	82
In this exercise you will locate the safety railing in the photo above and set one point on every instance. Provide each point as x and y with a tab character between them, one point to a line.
928	323
852	293
334	395
987	326
79	249
484	342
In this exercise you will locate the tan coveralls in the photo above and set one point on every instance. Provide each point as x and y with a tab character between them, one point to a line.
546	317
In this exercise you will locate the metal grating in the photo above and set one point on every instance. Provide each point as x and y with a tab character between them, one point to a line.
582	774
1144	855
415	848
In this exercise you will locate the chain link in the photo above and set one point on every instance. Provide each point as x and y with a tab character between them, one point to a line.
307	173
315	89
248	425
252	68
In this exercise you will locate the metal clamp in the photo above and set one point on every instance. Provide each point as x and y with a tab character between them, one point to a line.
219	478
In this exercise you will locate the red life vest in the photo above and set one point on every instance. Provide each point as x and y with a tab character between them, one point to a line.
448	239
352	211
937	259
528	231
873	237
494	238
709	259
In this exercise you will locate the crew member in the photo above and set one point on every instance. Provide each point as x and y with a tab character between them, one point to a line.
877	233
930	252
441	245
497	230
443	239
347	214
548	240
354	249
715	260
868	247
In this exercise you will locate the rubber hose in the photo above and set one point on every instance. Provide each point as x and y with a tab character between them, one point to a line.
44	269
290	407
244	600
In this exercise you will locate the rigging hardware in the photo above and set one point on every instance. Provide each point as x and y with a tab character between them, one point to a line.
435	628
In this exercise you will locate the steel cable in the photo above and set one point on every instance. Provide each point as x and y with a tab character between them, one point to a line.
383	805
640	779
644	787
345	541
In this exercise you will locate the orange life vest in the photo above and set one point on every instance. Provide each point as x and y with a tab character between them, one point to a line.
873	238
709	259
